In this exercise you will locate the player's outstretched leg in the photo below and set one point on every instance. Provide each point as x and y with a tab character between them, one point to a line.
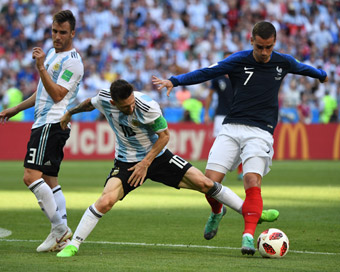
270	215
86	225
211	226
58	235
247	245
251	210
220	194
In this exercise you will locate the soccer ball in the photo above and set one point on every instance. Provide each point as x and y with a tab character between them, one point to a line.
273	243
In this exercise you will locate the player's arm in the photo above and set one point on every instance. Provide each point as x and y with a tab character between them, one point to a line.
8	113
140	169
307	70
56	91
194	77
86	105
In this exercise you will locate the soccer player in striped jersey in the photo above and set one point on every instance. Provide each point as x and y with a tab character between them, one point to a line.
247	133
60	73
140	153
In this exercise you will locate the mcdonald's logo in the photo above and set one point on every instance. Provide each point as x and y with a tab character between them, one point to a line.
336	145
293	132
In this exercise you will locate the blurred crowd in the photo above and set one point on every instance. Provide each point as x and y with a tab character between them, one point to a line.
135	39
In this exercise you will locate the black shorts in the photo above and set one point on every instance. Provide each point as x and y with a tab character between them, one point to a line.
45	149
168	169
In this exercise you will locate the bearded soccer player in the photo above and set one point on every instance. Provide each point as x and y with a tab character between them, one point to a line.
61	71
141	153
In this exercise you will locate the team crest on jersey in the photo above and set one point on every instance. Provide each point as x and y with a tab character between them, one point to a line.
114	172
56	67
279	73
135	122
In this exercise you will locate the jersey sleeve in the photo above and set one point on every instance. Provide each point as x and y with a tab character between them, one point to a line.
150	113
204	74
72	73
306	70
159	124
103	97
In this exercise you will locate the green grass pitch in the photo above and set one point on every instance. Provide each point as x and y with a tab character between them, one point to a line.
157	228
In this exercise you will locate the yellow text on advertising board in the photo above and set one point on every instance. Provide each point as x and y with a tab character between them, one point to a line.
293	132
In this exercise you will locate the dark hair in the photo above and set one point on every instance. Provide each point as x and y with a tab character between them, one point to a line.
65	16
120	90
227	54
264	29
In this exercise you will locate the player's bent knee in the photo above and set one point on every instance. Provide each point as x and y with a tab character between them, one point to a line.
204	184
252	180
26	180
194	179
208	184
31	175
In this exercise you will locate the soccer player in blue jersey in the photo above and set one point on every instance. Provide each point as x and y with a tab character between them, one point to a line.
247	133
60	73
222	87
140	153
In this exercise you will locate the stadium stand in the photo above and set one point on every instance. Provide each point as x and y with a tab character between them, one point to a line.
140	38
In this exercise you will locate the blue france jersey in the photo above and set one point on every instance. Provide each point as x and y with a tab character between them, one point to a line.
134	133
65	69
256	85
222	86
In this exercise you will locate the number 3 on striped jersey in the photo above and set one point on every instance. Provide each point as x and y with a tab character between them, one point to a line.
249	76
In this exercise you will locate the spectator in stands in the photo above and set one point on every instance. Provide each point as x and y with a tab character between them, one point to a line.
12	98
165	34
182	94
329	109
291	95
304	111
193	108
322	38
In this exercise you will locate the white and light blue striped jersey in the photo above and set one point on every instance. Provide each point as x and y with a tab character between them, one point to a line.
65	69
135	134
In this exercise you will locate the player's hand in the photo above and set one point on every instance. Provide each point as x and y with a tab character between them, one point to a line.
39	56
139	173
6	114
326	79
162	83
207	119
65	120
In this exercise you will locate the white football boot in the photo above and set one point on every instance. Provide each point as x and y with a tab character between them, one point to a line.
57	236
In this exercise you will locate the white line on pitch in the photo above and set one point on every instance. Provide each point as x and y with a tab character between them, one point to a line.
168	245
5	233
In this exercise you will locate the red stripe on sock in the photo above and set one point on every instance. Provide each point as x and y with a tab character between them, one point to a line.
216	207
252	209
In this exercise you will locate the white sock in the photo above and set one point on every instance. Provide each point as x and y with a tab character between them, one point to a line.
227	197
249	235
45	198
61	203
86	225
